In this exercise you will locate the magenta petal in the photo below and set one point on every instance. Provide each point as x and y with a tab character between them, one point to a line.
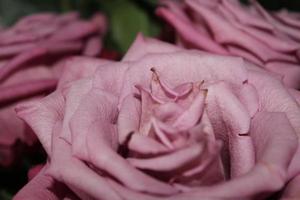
74	31
292	190
20	60
225	33
16	49
190	34
42	187
21	90
245	17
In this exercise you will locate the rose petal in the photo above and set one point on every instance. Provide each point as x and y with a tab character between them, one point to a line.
42	115
190	34
143	46
41	187
170	161
224	32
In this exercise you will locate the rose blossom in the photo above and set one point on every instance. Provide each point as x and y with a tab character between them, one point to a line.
226	27
167	123
31	59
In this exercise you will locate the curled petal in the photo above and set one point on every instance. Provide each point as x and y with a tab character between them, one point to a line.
170	161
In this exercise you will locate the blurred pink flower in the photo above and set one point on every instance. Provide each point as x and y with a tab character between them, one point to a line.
167	123
226	27
32	54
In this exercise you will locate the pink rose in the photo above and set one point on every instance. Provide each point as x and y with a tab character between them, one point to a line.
226	27
31	61
167	123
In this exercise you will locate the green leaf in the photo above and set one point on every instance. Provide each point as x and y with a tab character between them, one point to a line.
4	195
127	19
11	10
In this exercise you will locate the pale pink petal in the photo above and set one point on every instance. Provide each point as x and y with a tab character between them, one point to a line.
90	105
242	157
143	46
73	95
277	146
110	77
128	118
99	132
290	72
64	166
119	168
191	115
161	134
170	161
146	145
274	150
42	115
198	67
274	97
233	112
75	68
167	111
249	97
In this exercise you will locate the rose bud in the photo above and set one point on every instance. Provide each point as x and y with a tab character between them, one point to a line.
227	27
168	123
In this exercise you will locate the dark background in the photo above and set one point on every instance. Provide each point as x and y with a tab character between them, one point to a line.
126	18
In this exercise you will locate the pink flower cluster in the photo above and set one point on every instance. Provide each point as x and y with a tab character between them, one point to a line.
31	60
226	27
166	123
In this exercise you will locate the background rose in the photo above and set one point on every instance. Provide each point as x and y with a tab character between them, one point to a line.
31	60
271	40
152	127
